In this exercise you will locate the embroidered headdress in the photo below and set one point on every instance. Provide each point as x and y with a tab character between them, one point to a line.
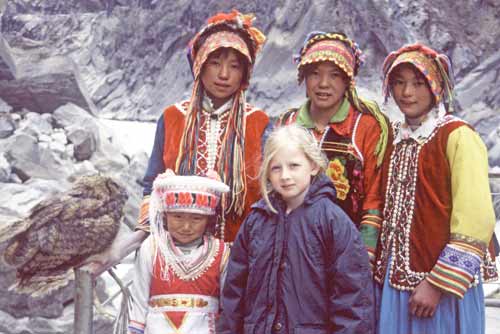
345	53
435	67
177	193
224	30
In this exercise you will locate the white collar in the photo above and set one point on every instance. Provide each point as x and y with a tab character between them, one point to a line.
420	134
208	106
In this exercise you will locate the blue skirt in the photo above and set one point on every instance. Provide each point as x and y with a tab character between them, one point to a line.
452	316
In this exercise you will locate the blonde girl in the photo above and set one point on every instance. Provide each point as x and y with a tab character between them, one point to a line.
298	262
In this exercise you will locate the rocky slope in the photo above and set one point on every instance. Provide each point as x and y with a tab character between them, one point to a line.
65	63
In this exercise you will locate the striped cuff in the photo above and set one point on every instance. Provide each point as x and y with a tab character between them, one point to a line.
455	269
370	229
143	220
135	327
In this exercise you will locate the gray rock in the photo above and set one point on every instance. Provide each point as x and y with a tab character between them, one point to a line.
5	169
28	159
84	143
4	107
72	115
7	65
493	143
481	85
42	84
36	125
7	125
110	82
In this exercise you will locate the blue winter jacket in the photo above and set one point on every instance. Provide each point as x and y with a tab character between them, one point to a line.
304	273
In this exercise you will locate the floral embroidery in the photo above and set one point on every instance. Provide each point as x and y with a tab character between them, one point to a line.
336	172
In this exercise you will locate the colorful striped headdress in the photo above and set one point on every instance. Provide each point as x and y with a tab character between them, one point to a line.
334	47
435	67
224	30
337	48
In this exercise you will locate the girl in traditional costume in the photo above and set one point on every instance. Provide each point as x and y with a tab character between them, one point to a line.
181	266
351	131
215	129
432	255
298	264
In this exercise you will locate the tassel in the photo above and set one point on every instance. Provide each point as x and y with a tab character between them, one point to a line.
447	76
372	108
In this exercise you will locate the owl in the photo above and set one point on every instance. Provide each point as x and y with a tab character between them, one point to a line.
61	232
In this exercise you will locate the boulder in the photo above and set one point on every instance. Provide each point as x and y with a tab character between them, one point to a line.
28	159
84	143
5	169
42	84
7	125
7	65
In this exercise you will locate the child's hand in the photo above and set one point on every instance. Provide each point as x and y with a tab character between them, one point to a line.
424	299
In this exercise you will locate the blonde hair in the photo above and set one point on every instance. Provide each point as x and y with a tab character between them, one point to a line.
288	136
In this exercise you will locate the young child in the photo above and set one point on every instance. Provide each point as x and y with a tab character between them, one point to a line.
181	266
298	264
438	215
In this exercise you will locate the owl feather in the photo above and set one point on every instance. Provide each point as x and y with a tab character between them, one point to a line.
61	232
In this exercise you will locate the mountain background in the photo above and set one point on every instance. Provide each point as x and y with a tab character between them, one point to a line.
65	65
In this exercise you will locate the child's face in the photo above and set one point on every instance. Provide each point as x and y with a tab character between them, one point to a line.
290	174
326	85
411	93
186	227
221	75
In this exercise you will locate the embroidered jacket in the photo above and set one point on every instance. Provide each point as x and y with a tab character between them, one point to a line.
166	148
438	214
349	144
186	302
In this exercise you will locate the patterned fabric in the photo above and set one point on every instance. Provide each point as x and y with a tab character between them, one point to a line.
424	212
336	47
351	167
455	269
370	230
436	68
239	25
330	50
188	302
135	327
191	270
179	193
221	39
174	124
213	126
452	316
233	30
143	220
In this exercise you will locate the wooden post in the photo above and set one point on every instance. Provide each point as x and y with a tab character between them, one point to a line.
84	292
